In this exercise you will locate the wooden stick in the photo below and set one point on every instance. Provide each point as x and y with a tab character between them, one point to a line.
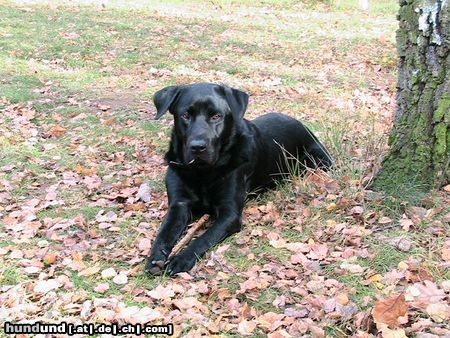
189	235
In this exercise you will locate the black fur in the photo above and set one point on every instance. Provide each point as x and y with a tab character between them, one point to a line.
215	159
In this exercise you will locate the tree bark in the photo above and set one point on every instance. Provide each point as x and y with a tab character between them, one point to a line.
420	139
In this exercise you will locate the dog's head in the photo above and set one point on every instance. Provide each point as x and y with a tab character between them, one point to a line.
207	116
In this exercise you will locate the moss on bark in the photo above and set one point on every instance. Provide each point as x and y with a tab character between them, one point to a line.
419	141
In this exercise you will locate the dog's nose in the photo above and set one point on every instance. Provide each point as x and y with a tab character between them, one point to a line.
197	146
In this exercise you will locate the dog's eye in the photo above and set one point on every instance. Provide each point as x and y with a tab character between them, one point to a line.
186	116
216	117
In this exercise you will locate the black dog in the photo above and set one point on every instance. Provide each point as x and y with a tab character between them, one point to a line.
215	159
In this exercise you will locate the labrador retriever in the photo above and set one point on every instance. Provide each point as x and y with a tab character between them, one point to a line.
215	158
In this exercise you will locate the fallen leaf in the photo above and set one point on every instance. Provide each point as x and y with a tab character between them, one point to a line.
385	220
331	207
423	294
101	287
270	320
375	278
44	286
357	210
109	273
188	303
161	292
353	268
85	171
246	327
49	259
388	333
439	312
389	310
342	298
31	270
103	107
120	279
92	270
144	244
144	192
57	131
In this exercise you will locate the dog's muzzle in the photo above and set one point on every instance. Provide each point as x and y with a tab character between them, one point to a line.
198	152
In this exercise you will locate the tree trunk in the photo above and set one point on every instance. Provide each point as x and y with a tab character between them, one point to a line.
420	140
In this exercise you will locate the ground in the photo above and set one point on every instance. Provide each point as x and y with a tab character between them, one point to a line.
81	171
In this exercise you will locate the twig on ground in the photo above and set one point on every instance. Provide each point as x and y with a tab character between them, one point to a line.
189	235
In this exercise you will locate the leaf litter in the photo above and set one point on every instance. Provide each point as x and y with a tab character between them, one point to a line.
76	237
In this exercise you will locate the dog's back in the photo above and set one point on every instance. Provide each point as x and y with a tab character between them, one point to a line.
286	147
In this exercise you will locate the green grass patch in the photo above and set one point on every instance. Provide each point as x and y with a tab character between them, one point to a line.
88	212
10	275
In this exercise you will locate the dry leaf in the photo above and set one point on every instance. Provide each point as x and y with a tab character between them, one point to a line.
144	192
144	244
85	171
92	270
49	259
388	333
385	220
101	287
57	131
44	286
109	273
162	292
439	312
246	327
121	279
389	311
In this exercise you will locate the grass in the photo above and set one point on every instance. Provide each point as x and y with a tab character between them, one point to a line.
11	276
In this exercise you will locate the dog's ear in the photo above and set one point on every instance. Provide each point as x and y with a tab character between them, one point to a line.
237	100
164	98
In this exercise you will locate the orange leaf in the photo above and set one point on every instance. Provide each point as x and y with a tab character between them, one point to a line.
85	171
390	311
57	131
49	259
92	270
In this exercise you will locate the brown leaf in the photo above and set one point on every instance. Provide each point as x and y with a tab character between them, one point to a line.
57	131
246	327
318	251
161	292
85	171
389	311
388	333
92	270
385	220
103	107
49	259
144	244
139	206
270	320
422	294
101	287
357	210
188	303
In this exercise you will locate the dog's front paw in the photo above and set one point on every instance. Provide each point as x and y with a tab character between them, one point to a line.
181	263
155	264
154	268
